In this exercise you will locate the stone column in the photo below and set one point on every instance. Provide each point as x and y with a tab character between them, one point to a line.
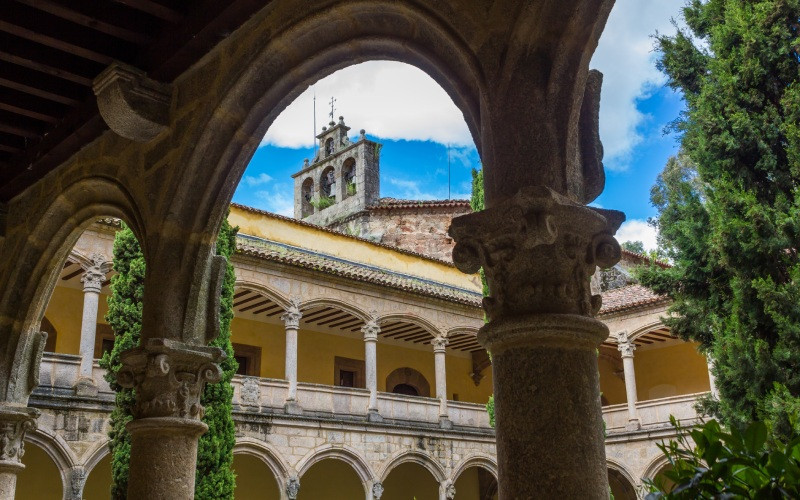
626	348
169	377
14	423
712	380
439	347
291	321
538	250
92	280
370	331
77	480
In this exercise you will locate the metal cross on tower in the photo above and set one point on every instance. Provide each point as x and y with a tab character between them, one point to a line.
332	108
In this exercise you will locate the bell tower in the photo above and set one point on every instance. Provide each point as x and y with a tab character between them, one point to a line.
343	179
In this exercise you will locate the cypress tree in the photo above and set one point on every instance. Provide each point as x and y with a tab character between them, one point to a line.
125	317
215	478
729	204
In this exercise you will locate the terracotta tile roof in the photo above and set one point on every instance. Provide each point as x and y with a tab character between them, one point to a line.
394	203
299	257
629	297
333	231
638	258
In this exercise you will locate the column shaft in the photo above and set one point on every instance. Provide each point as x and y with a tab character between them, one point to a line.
439	349
712	380
91	299
371	331
291	363
630	387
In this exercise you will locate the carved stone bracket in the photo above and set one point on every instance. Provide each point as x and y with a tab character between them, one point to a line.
95	274
169	377
377	490
132	105
293	488
14	423
538	250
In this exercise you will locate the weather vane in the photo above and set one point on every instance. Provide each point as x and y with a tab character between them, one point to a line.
332	108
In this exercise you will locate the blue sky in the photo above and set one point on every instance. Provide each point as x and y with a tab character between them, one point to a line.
418	124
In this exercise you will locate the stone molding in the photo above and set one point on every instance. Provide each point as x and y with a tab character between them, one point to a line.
624	345
291	318
14	423
169	377
538	250
133	105
94	275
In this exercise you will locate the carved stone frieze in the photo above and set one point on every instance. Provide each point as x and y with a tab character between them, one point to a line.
291	318
538	250
250	392
169	377
14	423
94	275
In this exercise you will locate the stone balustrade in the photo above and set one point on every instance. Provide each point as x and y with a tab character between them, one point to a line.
653	413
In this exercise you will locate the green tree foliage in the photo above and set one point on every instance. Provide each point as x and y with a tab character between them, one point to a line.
634	246
215	479
729	204
728	464
477	204
125	317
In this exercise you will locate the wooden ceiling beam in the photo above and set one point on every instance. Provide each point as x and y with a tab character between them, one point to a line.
92	22
30	106
34	83
154	9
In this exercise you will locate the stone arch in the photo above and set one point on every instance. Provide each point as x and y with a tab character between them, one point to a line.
416	457
264	290
411	377
29	284
349	177
623	474
340	452
327	181
97	452
271	458
462	330
644	329
413	319
306	195
478	460
654	467
338	304
270	75
57	449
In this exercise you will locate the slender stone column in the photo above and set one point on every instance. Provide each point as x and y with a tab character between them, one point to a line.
538	250
291	321
92	280
14	423
712	380
439	347
626	348
370	331
169	377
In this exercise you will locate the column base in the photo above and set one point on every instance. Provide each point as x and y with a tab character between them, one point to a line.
292	408
445	423
374	416
633	425
86	387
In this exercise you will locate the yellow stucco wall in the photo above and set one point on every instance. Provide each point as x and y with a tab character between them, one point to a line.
254	480
670	371
270	338
410	481
65	311
330	479
612	387
300	235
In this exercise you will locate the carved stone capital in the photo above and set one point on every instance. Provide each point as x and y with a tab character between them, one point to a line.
371	329
439	344
377	490
625	346
169	377
291	318
94	275
293	488
132	105
538	250
14	423
450	491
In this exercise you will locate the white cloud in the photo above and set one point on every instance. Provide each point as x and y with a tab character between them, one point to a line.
388	99
638	230
409	190
278	200
626	58
257	181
